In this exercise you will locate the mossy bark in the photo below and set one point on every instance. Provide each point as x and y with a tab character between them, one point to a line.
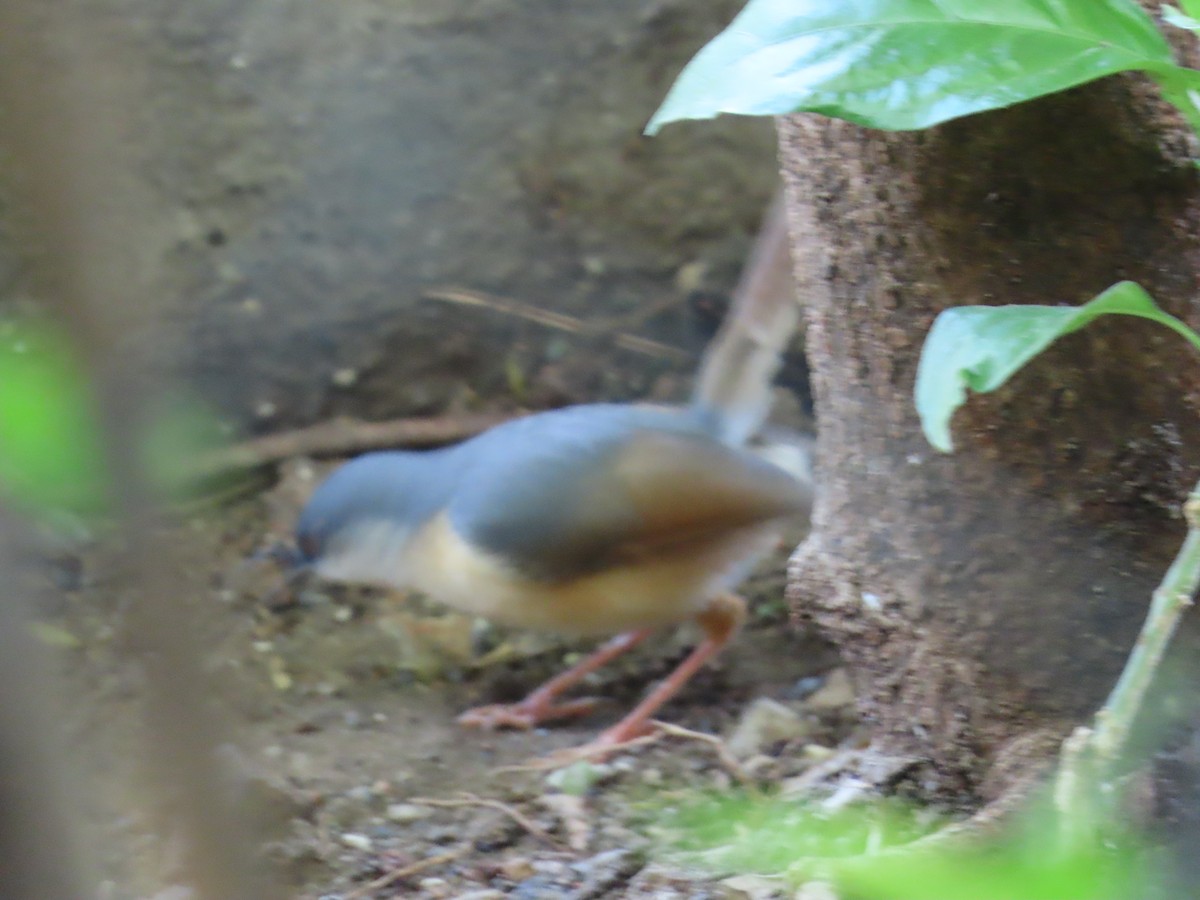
993	594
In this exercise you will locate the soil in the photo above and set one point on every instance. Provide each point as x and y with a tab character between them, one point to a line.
315	169
346	741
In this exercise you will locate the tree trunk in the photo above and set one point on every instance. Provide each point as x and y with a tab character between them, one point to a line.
986	600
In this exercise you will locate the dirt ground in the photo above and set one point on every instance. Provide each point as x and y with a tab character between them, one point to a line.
345	738
314	170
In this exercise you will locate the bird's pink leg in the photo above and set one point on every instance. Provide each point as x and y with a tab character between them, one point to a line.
541	705
720	621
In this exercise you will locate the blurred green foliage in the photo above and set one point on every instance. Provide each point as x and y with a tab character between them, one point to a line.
864	851
768	834
52	448
51	453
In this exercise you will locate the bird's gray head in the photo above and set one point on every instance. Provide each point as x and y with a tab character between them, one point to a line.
358	518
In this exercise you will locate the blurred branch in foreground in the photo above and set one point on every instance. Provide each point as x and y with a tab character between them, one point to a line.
42	852
67	100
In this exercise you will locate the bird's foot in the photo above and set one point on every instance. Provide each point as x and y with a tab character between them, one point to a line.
526	714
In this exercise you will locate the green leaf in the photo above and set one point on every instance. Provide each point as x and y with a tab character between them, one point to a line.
1181	88
905	64
981	347
1172	16
1191	7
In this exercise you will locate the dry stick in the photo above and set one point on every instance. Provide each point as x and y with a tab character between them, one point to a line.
1089	752
68	97
728	761
342	437
556	320
570	755
468	799
395	875
639	317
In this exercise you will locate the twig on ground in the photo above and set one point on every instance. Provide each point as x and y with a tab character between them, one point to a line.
639	317
343	437
559	321
395	875
564	758
468	799
728	760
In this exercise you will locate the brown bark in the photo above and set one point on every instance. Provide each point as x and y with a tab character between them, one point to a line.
993	594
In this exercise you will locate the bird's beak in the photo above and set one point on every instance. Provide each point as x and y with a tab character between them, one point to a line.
294	565
287	556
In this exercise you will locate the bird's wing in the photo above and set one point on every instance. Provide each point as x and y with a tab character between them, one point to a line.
559	511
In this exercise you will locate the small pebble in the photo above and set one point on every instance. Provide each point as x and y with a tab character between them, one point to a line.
537	888
765	722
345	378
356	841
837	691
605	871
281	680
517	868
175	892
756	887
594	265
805	687
652	777
816	890
690	276
551	867
578	778
406	813
435	887
229	273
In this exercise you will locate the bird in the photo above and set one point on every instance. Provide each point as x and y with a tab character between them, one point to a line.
602	519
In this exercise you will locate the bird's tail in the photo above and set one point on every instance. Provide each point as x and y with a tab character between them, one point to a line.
733	386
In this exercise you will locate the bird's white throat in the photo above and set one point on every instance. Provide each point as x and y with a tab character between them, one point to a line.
376	553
